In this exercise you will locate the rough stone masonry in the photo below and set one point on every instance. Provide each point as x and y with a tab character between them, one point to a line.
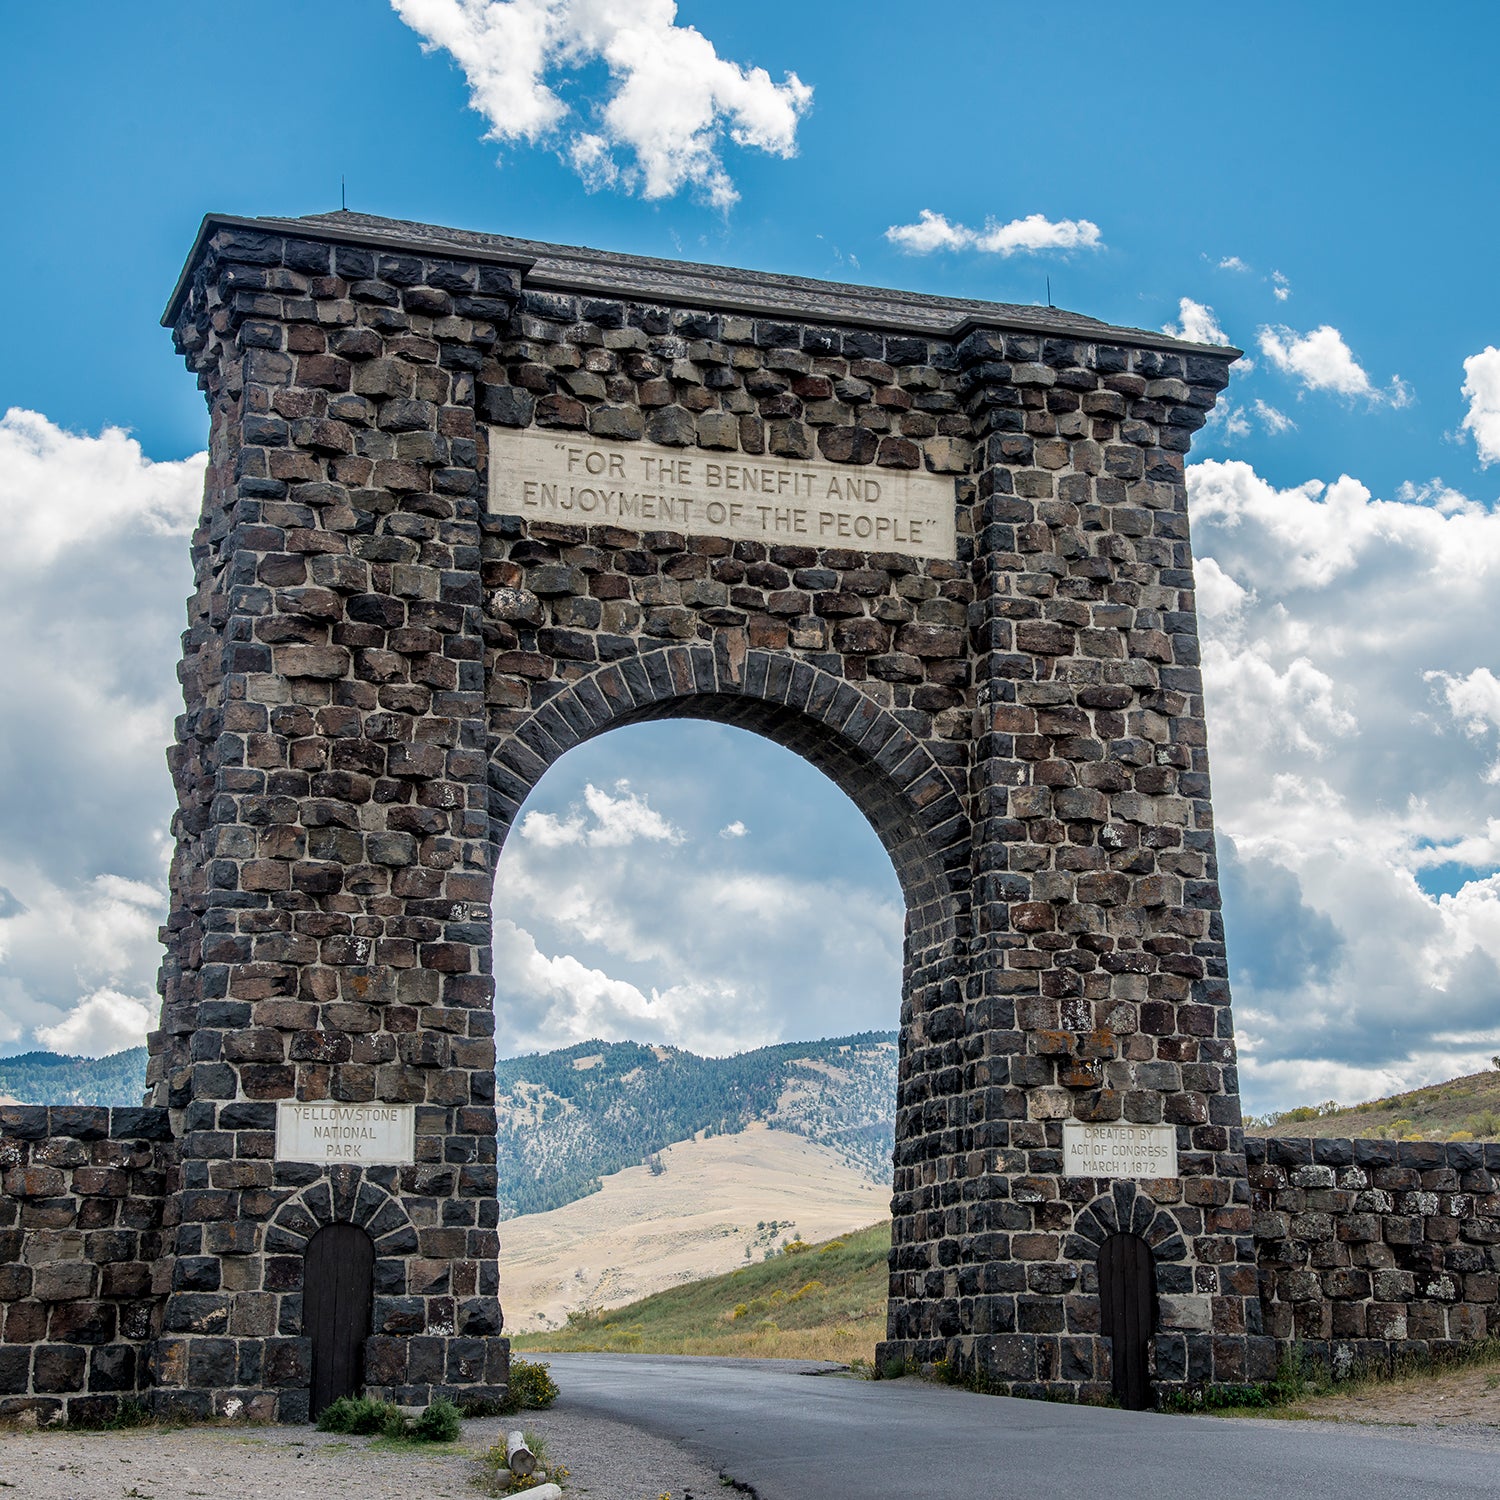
392	638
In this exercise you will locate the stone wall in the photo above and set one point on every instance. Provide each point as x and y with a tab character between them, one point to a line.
82	1197
1372	1249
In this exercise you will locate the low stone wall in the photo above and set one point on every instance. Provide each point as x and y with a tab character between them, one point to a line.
82	1195
1373	1249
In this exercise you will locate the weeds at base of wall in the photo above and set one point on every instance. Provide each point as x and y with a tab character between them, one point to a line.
129	1415
438	1422
531	1387
1303	1377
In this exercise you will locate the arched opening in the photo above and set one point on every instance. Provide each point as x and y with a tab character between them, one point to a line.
338	1289
907	799
698	947
1127	1315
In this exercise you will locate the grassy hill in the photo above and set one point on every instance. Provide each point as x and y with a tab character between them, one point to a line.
824	1301
1462	1109
716	1203
569	1118
50	1078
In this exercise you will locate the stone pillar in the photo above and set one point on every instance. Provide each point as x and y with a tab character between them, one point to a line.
330	935
1097	972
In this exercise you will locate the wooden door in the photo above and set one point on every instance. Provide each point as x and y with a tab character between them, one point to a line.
1127	1314
338	1289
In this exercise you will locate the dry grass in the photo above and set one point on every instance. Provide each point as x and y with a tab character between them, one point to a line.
823	1302
1463	1109
719	1204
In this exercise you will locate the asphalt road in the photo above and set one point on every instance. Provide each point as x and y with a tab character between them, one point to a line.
792	1435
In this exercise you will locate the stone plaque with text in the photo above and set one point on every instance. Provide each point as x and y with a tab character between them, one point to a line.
1119	1150
362	1134
537	472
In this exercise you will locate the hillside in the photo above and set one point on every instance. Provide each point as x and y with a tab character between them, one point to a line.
820	1301
703	1206
48	1078
568	1119
1462	1109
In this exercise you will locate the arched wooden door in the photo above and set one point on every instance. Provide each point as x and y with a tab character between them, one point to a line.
338	1290
1127	1314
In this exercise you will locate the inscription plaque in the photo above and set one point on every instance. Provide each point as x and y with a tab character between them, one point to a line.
1119	1150
362	1133
647	487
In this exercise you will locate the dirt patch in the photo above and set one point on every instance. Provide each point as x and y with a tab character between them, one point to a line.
606	1461
1468	1398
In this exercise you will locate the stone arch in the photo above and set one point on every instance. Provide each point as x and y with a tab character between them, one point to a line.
1126	1208
366	1196
387	648
911	802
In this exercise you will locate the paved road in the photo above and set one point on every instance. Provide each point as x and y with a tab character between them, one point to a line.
798	1436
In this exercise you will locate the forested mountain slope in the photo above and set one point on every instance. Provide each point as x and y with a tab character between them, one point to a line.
570	1117
48	1078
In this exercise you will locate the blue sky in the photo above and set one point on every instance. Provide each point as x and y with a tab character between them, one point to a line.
1311	183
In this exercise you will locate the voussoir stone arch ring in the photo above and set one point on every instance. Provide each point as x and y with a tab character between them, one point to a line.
912	802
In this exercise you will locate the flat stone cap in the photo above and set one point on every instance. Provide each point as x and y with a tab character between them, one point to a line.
677	283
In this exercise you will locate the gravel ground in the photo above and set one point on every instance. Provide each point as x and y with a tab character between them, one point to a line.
606	1461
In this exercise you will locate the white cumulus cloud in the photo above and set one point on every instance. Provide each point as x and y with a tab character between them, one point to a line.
58	488
1031	235
672	99
103	1022
1281	288
94	568
1353	698
1197	323
612	822
1482	389
1473	698
1322	361
709	940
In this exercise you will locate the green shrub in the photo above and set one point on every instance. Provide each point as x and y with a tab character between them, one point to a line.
362	1416
531	1388
439	1423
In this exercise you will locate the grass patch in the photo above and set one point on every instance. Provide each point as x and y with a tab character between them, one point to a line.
826	1301
495	1477
1301	1380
